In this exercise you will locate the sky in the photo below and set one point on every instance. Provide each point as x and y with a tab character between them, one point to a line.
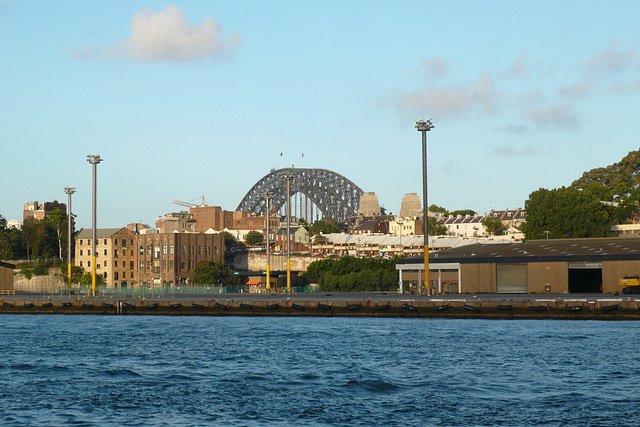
191	99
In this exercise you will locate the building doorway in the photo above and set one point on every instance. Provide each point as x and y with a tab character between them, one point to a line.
585	278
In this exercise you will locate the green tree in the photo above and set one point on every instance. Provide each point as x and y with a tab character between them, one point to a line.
253	238
436	208
566	212
435	228
56	220
229	240
493	226
6	248
325	226
39	239
463	212
210	272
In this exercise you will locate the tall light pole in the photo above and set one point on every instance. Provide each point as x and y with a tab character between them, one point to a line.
94	160
69	191
288	177
424	127
268	196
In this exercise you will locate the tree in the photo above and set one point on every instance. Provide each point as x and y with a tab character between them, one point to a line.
229	240
39	239
463	212
6	249
325	226
216	273
435	228
57	221
566	212
436	208
493	226
253	238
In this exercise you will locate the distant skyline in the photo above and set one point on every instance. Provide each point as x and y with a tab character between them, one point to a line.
199	98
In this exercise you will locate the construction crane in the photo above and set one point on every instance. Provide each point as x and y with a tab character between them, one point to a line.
189	205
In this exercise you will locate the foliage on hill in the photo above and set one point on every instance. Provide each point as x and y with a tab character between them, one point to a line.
614	181
216	273
324	226
577	211
350	274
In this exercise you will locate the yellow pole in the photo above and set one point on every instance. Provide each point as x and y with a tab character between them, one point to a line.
69	269
288	275
426	268
268	278
93	275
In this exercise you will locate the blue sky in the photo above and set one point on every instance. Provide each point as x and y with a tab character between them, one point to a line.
200	98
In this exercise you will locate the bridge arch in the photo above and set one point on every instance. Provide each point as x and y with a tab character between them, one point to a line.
333	194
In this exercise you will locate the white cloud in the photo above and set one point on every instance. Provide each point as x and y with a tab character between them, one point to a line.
434	68
167	36
562	117
439	102
510	150
612	60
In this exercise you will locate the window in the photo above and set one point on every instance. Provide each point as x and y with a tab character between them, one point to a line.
115	253
130	265
80	252
171	249
171	265
141	250
80	241
148	265
164	249
124	243
97	266
183	266
115	264
105	241
208	250
199	250
105	263
156	266
148	250
156	252
115	242
164	265
131	242
141	265
184	249
105	251
215	250
115	276
80	263
124	274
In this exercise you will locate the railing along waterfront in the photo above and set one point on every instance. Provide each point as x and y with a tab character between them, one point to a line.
168	292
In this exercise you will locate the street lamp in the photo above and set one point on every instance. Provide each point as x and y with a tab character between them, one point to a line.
94	160
425	126
268	196
288	177
69	191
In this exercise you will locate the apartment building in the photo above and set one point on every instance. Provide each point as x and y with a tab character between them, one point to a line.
115	255
39	210
170	259
125	259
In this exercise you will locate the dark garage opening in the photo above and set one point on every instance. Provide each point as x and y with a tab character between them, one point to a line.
585	280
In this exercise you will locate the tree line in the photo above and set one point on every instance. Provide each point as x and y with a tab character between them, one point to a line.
37	239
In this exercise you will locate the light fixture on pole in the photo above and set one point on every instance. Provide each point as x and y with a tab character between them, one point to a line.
268	196
288	177
94	160
425	126
69	191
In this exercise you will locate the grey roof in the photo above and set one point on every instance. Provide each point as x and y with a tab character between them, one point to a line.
101	233
596	249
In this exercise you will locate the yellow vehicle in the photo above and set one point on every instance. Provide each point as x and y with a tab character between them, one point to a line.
630	284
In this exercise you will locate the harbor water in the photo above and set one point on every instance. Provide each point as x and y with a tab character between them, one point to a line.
194	371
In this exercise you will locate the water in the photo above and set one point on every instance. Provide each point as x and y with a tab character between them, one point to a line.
130	370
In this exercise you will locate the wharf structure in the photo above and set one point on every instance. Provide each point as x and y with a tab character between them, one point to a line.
563	266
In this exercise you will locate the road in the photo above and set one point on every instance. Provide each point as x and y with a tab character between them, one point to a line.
333	296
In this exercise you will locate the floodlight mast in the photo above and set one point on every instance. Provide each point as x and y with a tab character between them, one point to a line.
69	191
94	160
425	126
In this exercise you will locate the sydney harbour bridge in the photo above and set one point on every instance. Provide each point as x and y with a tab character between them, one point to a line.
319	191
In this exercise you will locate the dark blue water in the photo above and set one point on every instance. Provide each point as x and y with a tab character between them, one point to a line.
126	370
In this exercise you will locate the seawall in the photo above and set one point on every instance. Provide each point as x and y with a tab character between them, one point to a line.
624	310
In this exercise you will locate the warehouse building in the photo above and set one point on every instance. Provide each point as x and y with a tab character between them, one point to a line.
538	266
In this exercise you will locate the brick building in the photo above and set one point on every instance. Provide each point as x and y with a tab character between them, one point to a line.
39	210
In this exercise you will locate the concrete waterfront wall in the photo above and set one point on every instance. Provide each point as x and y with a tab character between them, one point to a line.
38	284
623	310
257	261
